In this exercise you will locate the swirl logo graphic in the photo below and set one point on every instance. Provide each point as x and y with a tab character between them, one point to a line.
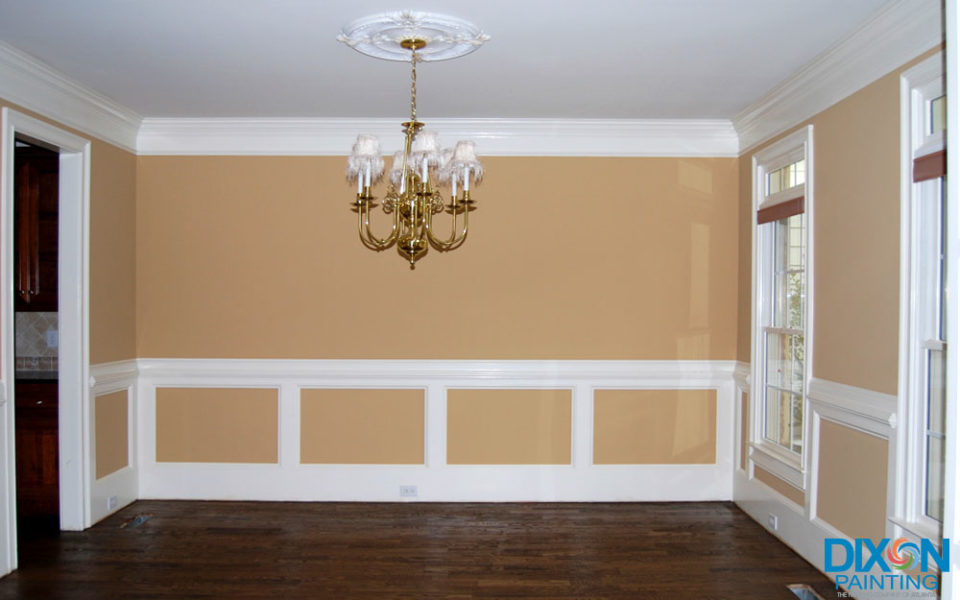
902	554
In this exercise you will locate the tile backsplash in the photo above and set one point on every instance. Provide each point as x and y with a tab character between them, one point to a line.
33	332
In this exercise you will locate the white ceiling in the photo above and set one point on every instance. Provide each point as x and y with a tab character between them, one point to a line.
616	59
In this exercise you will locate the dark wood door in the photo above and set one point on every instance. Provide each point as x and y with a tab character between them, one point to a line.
38	470
36	230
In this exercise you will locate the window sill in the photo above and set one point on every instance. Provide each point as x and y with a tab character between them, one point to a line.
783	464
919	530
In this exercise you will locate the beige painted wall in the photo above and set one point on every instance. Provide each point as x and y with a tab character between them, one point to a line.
232	425
362	426
111	447
568	258
655	427
507	427
112	254
852	485
780	486
113	174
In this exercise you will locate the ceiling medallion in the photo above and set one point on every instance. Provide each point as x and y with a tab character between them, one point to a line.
382	35
413	195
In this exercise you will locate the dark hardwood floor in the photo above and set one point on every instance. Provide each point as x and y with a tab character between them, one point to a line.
414	551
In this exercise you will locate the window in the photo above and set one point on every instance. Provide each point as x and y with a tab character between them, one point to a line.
781	291
924	312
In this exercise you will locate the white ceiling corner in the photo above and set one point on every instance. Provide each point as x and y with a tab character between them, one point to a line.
899	32
32	84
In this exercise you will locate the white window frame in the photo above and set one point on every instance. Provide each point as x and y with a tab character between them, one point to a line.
918	86
772	457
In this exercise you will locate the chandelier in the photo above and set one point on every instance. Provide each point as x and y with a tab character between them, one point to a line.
421	169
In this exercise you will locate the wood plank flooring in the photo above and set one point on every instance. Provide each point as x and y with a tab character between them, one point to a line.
414	551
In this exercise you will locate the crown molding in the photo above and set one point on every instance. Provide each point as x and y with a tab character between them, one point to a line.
494	137
36	86
898	32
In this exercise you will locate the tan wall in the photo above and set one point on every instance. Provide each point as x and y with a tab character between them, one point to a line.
852	485
568	258
113	174
655	427
745	257
362	426
500	427
111	447
112	254
780	486
217	425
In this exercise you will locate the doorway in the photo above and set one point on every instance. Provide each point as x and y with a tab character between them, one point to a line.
35	253
73	410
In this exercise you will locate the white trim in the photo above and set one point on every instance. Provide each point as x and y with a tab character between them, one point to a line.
36	86
197	371
494	137
112	376
796	146
742	374
788	469
864	409
900	31
799	527
804	535
951	521
74	294
581	480
122	486
918	85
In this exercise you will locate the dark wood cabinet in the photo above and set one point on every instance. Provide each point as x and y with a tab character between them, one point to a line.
36	228
38	468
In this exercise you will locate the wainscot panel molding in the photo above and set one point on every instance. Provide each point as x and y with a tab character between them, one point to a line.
36	86
899	32
435	480
118	489
494	137
800	527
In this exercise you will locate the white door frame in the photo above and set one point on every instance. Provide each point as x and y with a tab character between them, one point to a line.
74	355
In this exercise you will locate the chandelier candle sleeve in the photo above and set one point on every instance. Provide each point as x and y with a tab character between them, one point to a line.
413	193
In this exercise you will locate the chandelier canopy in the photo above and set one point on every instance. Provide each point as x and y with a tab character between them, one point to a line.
422	167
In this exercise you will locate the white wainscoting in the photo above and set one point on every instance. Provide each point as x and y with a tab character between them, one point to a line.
116	490
435	480
800	527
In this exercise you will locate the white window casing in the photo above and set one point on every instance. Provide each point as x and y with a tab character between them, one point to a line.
781	460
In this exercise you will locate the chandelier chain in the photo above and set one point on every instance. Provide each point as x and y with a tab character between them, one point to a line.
413	85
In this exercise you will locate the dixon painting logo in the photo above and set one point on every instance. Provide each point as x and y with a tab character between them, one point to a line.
897	565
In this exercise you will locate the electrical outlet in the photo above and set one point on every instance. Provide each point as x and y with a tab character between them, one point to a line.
112	503
408	491
773	521
53	338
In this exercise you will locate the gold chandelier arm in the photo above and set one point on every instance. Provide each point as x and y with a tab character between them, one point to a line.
366	236
456	239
